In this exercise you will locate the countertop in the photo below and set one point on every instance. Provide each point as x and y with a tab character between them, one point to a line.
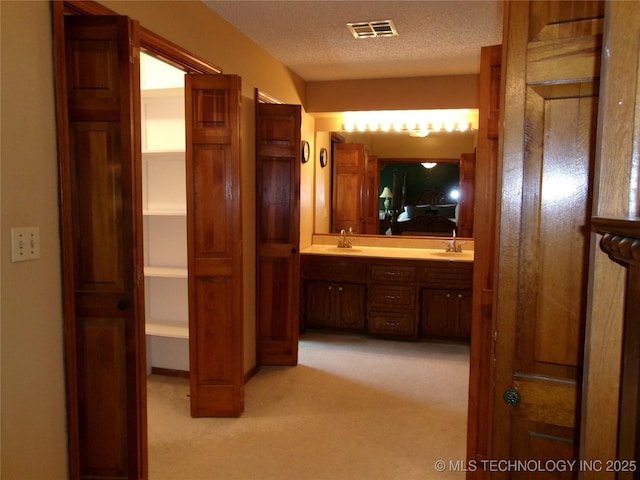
391	252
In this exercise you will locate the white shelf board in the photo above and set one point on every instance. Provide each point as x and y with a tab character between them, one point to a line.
166	272
151	154
165	213
167	328
162	92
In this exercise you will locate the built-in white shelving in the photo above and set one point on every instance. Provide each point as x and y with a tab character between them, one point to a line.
165	214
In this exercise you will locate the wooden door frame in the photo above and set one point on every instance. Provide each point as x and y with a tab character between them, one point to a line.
156	46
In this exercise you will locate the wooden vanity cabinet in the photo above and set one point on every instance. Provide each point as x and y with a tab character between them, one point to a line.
445	313
392	299
445	309
334	293
396	298
335	306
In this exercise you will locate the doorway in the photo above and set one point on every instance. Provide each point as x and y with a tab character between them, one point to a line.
164	211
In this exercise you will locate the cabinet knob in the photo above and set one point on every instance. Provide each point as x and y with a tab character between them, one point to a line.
339	289
123	305
511	398
330	287
459	295
448	295
294	250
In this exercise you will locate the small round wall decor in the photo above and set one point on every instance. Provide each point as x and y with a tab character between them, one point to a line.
305	151
323	157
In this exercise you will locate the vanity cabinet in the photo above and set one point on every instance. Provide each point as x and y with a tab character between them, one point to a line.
445	313
445	309
334	292
396	298
392	299
335	305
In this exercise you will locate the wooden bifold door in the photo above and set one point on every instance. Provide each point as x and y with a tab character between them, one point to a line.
98	109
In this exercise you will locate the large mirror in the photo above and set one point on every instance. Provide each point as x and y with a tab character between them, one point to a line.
419	190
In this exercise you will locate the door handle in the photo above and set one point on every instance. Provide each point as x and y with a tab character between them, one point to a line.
511	398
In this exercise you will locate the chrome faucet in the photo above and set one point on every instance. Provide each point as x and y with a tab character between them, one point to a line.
453	245
343	241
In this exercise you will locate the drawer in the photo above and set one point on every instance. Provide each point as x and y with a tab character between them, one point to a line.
325	267
458	276
392	296
392	323
389	273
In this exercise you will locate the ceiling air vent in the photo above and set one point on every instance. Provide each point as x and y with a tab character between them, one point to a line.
382	28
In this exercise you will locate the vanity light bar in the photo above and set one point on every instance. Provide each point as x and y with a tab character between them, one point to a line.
418	123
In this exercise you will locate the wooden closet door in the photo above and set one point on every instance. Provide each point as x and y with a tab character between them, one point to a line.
278	154
348	187
214	244
484	235
552	67
98	102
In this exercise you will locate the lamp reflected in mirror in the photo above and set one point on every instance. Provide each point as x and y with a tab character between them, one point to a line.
387	195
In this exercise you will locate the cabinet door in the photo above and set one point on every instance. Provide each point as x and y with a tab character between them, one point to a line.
351	306
320	305
437	316
463	313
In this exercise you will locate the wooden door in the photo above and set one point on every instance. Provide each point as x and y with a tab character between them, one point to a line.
348	187
97	73
371	201
214	244
466	203
486	174
610	411
278	152
551	73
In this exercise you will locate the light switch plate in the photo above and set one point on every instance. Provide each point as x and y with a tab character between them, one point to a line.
25	244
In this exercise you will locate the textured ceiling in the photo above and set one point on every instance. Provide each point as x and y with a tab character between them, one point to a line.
311	37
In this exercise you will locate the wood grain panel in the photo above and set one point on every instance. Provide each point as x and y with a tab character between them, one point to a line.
276	198
278	157
617	196
102	376
97	177
551	86
101	212
212	213
213	296
214	248
560	145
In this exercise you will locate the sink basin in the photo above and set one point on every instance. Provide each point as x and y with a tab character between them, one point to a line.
454	255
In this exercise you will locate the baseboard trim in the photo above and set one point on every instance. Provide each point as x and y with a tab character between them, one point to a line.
169	372
250	374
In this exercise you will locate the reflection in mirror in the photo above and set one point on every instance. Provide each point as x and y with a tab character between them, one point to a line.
425	196
425	188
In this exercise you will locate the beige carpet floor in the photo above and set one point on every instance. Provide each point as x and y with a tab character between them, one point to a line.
354	408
